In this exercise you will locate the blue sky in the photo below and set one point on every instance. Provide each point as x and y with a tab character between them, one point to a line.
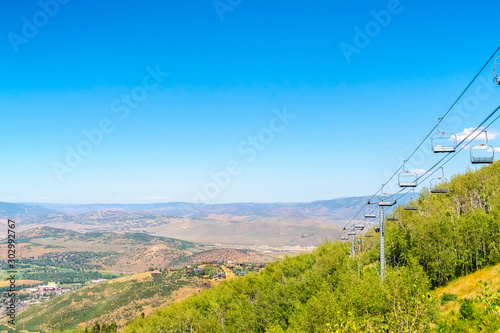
350	123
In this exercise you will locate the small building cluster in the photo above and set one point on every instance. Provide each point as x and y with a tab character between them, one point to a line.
33	295
218	269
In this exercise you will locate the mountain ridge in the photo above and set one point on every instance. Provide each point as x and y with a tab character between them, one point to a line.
336	209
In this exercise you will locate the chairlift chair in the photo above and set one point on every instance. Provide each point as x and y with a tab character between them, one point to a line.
440	184
407	178
370	211
443	142
351	233
368	235
412	204
385	202
392	217
497	75
482	153
359	227
344	238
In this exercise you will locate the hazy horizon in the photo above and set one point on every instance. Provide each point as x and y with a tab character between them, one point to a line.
183	202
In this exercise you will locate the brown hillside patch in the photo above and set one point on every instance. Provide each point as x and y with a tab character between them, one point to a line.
234	255
26	250
19	282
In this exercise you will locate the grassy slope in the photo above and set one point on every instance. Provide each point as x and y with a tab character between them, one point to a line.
117	300
469	286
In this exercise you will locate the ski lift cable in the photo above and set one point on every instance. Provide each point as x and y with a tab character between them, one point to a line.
479	133
451	156
437	165
428	135
446	113
480	130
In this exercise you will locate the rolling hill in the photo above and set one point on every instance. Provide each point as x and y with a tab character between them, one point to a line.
118	300
248	224
275	224
24	212
120	252
213	229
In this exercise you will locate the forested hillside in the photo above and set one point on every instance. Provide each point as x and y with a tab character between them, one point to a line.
307	293
454	234
326	291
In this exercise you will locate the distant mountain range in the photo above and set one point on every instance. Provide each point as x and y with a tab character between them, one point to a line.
276	224
24	211
335	209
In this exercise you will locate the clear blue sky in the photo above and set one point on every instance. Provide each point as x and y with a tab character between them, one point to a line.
66	72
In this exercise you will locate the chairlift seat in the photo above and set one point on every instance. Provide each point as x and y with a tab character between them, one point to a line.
351	233
370	211
392	217
483	153
440	184
481	160
344	238
441	149
387	203
407	178
443	142
359	227
412	205
439	190
408	184
368	235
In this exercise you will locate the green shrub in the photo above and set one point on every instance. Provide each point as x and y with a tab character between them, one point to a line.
448	298
467	309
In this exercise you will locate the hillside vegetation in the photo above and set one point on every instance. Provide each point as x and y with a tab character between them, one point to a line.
452	235
475	298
